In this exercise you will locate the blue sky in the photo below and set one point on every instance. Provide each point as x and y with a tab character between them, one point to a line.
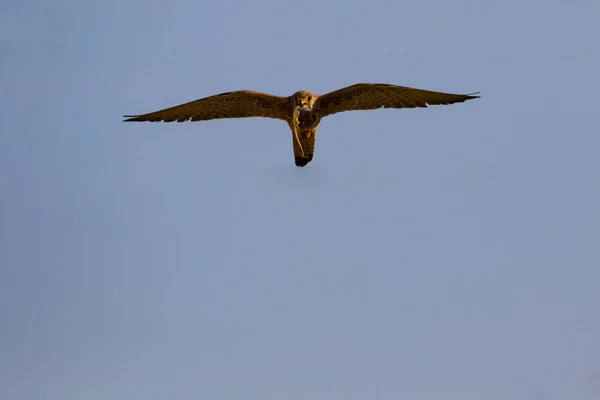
441	253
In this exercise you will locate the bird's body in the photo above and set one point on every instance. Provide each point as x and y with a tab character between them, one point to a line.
303	110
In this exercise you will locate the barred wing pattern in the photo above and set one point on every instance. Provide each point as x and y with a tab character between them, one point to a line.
240	104
371	96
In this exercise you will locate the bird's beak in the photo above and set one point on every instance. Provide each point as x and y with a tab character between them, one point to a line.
305	107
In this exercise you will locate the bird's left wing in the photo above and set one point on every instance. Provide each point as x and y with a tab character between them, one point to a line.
240	104
371	96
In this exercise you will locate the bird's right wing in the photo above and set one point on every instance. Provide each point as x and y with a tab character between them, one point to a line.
371	96
240	104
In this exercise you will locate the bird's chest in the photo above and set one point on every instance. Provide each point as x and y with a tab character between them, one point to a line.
307	120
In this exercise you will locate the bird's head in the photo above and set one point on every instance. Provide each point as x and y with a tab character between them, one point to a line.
304	100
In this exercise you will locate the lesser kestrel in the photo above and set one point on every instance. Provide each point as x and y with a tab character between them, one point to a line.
303	110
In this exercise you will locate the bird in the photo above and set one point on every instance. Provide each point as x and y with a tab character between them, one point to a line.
303	110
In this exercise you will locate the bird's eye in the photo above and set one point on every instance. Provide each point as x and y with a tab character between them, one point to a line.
309	98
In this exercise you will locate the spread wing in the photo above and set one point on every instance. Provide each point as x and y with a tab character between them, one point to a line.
370	96
240	104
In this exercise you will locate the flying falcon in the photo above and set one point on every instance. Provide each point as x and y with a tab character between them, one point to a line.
303	110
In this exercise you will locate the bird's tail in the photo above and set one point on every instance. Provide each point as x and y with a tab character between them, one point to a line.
304	147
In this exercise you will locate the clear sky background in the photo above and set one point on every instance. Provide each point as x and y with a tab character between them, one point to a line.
443	253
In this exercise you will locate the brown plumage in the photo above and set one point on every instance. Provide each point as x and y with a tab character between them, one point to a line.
312	107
